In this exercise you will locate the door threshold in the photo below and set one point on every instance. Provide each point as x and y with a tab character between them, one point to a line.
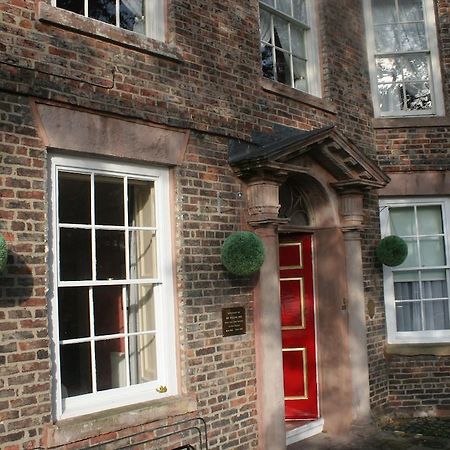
302	429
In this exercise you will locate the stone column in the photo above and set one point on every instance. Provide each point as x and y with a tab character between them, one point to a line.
263	217
352	217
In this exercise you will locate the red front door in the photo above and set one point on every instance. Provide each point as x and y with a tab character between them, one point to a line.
298	327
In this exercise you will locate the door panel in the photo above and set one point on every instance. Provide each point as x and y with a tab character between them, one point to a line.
298	327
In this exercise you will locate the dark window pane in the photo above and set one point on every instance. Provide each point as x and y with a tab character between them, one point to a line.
104	10
74	195
110	247
267	61
73	311
76	6
76	369
283	67
132	16
108	310
110	364
75	254
109	208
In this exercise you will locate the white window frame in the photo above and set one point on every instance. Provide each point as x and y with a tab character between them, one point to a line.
163	292
412	337
435	80
313	71
154	18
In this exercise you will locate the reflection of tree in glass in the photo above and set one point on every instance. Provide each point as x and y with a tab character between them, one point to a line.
103	10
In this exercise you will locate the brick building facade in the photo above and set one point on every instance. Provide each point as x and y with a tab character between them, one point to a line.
173	124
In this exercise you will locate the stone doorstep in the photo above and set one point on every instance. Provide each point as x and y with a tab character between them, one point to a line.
298	430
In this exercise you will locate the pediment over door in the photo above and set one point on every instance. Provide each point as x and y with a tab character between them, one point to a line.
286	151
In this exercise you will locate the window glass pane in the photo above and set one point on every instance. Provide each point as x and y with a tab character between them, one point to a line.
132	15
110	364
110	248
432	251
143	363
384	11
108	310
299	10
141	203
402	221
74	198
141	308
76	6
298	42
267	61
415	68
436	315
284	6
75	259
406	285
390	96
104	10
410	10
143	262
281	30
109	209
417	97
76	377
386	39
429	219
265	26
73	312
409	316
412	260
300	78
411	37
283	67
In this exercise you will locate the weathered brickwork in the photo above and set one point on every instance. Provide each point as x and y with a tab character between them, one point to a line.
419	383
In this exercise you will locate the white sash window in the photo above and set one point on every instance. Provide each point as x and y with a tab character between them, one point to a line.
417	291
403	57
112	295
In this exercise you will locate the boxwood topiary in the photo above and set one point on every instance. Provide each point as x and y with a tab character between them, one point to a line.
243	253
392	251
3	254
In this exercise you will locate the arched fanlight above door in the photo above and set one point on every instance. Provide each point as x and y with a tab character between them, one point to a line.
292	203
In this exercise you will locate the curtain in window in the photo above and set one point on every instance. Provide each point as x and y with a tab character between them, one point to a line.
136	8
265	26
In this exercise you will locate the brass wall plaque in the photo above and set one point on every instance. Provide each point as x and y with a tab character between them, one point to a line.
233	321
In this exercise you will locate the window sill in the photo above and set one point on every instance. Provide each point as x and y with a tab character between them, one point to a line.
438	349
412	121
103	31
91	425
308	99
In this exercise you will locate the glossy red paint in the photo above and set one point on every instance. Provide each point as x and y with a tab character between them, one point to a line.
298	327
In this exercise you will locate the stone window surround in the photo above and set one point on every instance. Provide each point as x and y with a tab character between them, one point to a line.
106	32
429	183
53	121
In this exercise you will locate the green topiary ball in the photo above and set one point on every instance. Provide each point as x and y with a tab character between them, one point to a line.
243	253
3	254
392	251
